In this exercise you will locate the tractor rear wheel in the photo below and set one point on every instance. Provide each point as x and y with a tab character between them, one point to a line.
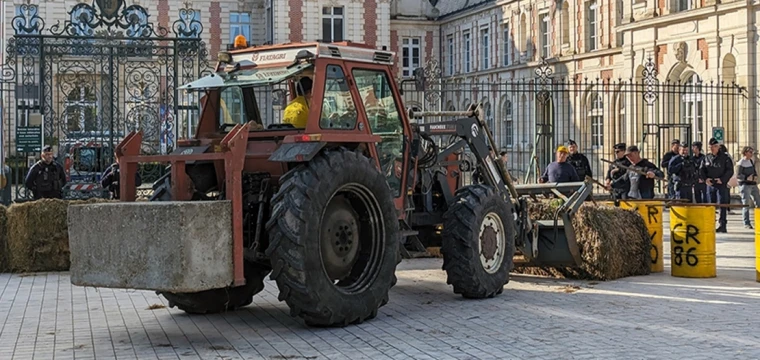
478	242
334	239
214	300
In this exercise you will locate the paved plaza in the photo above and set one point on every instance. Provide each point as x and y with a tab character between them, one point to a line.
42	316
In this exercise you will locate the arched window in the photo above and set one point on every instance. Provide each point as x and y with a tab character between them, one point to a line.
596	119
509	136
691	105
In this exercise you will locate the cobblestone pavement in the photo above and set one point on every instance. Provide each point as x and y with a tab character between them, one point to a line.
42	316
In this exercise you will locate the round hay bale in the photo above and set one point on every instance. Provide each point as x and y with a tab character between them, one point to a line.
38	234
613	243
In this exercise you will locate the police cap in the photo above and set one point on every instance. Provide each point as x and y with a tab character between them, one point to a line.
620	146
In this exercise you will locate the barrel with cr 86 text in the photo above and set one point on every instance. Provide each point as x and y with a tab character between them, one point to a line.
651	212
757	245
692	241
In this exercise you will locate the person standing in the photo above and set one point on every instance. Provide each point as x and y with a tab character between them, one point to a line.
675	144
46	178
685	173
110	179
716	170
747	169
700	188
616	180
578	161
560	170
642	187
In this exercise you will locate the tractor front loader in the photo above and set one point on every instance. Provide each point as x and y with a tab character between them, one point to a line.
326	208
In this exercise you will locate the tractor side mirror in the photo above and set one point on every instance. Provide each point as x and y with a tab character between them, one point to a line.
279	98
419	79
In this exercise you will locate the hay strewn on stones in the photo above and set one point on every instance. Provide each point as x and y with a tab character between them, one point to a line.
38	235
613	242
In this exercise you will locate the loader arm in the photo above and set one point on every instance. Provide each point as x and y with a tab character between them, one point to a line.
540	242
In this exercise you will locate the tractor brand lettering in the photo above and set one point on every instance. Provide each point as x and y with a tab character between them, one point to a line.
256	57
678	251
268	74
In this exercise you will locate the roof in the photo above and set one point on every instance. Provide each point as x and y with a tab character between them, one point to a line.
451	7
277	55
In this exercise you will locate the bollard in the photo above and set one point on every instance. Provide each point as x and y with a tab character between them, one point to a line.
757	245
651	212
692	241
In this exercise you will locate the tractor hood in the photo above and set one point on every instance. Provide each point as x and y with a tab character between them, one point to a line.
246	77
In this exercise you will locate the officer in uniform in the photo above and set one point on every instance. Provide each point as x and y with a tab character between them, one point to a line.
675	144
616	179
700	188
46	178
715	171
684	171
578	161
110	179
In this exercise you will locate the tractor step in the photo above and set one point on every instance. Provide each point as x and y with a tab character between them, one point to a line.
408	233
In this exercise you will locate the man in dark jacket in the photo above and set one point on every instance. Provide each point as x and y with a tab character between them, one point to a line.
46	178
644	184
700	188
717	168
578	161
675	144
685	174
560	171
619	188
110	179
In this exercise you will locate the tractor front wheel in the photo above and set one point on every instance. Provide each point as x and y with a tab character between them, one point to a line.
478	242
334	239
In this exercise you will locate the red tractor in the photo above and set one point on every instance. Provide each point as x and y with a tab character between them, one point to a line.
327	209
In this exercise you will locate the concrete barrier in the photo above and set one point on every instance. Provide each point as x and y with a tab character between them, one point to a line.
167	246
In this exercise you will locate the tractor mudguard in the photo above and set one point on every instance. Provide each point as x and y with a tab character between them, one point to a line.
297	152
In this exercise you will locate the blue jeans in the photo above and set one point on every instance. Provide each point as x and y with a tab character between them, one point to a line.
719	194
750	196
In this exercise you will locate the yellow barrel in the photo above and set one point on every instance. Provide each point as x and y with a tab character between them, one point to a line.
692	241
651	212
757	245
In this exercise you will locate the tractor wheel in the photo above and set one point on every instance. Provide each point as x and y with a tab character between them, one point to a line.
214	300
219	300
334	239
478	242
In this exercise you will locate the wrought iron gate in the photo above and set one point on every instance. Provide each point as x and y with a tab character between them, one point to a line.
87	81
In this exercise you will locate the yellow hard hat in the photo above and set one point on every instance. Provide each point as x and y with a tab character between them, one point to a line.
563	149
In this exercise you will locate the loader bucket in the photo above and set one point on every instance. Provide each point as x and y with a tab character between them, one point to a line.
553	242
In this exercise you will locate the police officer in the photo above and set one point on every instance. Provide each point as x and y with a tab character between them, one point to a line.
578	161
717	168
110	179
675	144
700	188
685	173
616	179
46	178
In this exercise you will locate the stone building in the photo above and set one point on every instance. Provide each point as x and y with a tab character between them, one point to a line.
595	71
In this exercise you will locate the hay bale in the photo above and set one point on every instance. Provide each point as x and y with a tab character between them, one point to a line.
38	235
5	265
613	242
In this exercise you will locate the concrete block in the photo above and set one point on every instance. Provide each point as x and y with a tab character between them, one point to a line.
168	246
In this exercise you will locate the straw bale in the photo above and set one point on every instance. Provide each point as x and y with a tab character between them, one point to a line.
5	265
614	243
38	235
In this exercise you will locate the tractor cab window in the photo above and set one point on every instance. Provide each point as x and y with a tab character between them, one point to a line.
338	107
383	116
231	106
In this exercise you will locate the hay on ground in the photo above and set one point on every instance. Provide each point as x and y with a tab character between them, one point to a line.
5	265
38	235
614	243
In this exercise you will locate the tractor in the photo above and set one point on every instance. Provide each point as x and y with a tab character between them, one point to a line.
327	210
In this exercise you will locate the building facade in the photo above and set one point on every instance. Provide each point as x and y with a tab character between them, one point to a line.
595	71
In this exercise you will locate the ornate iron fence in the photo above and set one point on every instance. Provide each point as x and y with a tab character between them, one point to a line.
88	81
530	117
